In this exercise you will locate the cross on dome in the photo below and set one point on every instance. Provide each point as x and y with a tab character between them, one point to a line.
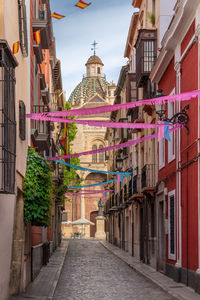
94	47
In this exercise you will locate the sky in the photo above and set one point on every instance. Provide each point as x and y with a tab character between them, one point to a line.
105	21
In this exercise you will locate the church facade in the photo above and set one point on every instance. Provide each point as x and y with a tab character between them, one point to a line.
92	91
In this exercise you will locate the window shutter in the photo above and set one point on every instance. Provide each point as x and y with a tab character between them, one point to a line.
22	120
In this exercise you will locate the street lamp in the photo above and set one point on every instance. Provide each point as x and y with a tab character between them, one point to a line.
160	108
119	163
181	117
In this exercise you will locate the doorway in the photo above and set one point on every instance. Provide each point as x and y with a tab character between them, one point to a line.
161	237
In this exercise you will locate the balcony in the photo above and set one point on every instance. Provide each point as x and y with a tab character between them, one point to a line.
131	88
38	53
148	178
134	190
45	95
41	132
42	21
145	55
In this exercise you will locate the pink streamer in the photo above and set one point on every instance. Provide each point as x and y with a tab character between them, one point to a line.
109	108
92	191
79	195
97	123
119	146
160	132
118	178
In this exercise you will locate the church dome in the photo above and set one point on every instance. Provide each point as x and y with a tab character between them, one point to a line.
88	88
94	60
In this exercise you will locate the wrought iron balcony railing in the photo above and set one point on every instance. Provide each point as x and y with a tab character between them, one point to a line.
149	175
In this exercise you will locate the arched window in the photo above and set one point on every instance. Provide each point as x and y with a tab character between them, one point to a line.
101	155
94	155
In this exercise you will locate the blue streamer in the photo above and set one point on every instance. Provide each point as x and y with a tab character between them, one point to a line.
93	171
96	184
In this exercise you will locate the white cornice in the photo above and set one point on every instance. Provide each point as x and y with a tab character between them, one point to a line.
173	36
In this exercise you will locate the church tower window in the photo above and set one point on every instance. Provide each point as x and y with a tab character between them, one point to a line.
101	155
98	70
94	155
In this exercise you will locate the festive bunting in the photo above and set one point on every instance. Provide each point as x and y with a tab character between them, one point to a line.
93	171
37	37
96	123
115	147
161	132
91	191
110	108
79	195
57	16
82	4
65	143
91	185
15	48
166	132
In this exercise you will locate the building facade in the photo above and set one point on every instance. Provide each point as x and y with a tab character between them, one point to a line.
178	186
14	139
157	221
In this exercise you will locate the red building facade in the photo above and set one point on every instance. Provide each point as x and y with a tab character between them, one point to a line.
177	70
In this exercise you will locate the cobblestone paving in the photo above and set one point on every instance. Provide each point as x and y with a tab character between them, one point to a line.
91	272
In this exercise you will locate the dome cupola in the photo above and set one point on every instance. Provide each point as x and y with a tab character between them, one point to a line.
94	67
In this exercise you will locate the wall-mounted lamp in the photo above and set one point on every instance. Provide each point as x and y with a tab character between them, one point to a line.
181	117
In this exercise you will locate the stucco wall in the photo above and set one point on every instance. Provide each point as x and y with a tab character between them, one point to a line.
7	206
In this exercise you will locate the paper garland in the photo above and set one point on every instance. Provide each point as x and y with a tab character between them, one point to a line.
93	171
91	191
114	147
91	185
109	108
96	123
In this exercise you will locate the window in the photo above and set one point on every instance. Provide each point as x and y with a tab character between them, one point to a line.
94	155
149	55
171	144
22	120
98	70
22	27
101	155
171	226
161	153
64	217
7	120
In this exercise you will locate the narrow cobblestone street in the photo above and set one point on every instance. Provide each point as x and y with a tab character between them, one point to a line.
92	272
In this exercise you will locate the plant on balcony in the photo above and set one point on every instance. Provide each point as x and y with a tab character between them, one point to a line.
37	190
151	18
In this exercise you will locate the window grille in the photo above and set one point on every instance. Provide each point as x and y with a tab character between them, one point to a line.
7	120
23	27
149	55
22	120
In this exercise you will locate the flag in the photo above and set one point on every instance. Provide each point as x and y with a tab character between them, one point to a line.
166	132
37	37
15	48
82	4
65	143
57	16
